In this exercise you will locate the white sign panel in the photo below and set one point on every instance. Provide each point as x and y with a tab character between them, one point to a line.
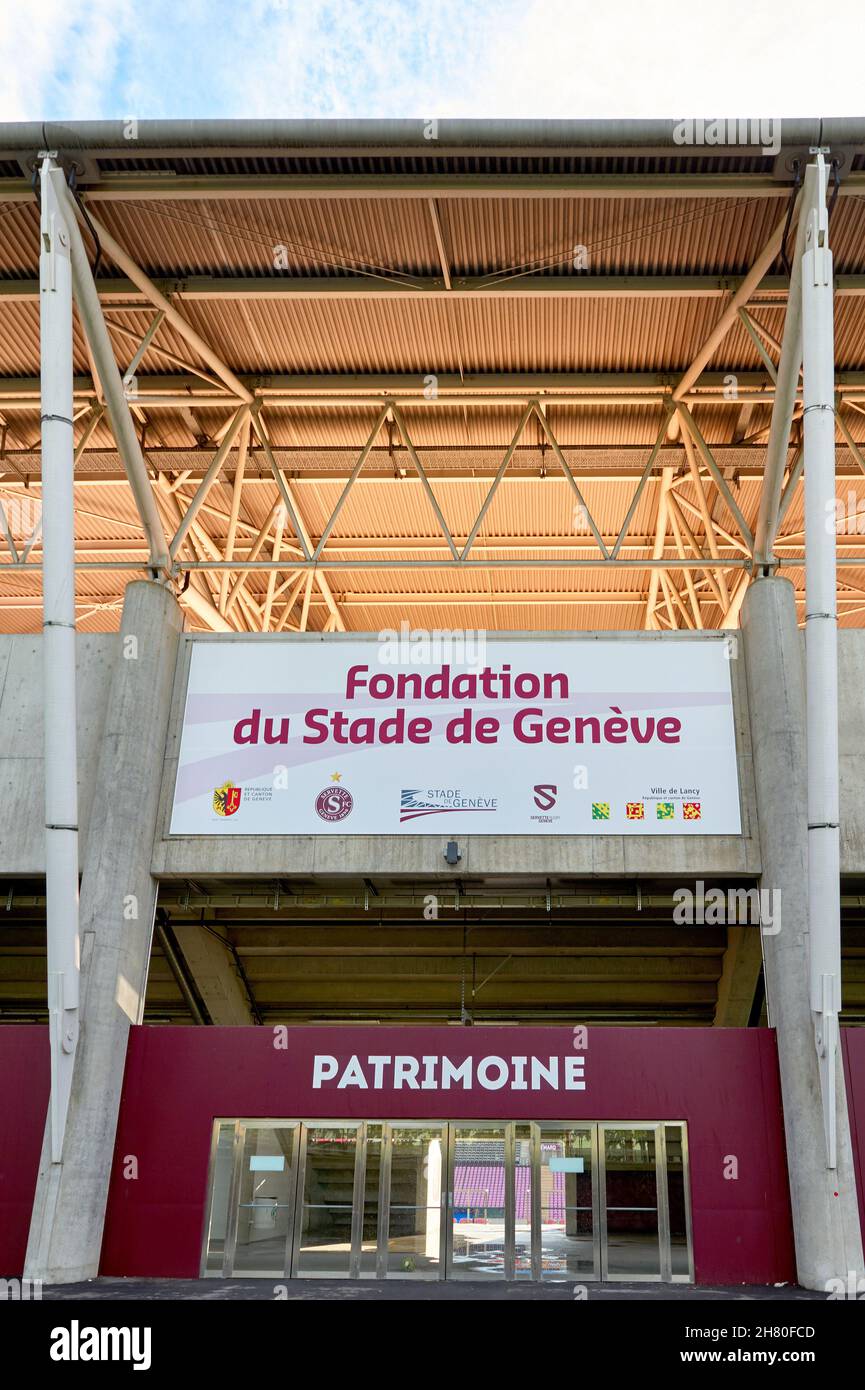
361	737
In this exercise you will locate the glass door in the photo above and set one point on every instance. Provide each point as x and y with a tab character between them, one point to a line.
262	1201
329	1202
631	1214
567	1202
479	1193
412	1235
417	1199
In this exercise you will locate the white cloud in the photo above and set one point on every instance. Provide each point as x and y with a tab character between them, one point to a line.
81	59
651	58
58	57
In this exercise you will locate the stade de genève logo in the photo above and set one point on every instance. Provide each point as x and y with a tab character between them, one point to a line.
415	802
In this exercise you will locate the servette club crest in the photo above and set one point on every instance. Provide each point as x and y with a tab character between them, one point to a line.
226	799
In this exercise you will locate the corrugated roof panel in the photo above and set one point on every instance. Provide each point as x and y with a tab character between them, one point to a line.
387	513
626	236
439	336
330	237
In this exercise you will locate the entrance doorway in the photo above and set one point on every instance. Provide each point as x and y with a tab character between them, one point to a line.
486	1200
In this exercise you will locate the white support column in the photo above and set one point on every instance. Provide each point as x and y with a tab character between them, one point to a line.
786	386
58	646
821	646
99	344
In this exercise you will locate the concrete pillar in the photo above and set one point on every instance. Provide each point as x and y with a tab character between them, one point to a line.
209	962
118	899
825	1212
737	987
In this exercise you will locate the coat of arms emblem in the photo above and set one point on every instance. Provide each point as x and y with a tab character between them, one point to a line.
226	799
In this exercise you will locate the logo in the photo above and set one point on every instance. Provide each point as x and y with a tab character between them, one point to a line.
334	803
691	810
226	799
600	810
545	796
437	801
665	810
77	1343
634	810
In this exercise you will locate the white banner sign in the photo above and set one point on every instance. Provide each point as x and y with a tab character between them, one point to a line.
357	736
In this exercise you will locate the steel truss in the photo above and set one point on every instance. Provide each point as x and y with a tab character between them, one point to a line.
701	553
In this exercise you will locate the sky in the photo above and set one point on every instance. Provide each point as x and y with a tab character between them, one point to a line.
146	59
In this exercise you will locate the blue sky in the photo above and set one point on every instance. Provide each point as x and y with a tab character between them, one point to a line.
86	59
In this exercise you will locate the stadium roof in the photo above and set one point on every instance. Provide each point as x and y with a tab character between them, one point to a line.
474	374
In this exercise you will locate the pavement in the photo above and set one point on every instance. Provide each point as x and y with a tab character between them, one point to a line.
411	1290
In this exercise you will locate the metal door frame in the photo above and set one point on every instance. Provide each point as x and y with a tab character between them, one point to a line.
204	1272
359	1126
241	1127
388	1126
592	1126
658	1128
449	1130
507	1128
686	1189
535	1209
359	1199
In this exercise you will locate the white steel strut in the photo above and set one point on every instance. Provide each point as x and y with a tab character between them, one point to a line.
821	643
58	645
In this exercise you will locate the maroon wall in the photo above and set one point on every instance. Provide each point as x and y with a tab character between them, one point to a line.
724	1083
24	1086
853	1044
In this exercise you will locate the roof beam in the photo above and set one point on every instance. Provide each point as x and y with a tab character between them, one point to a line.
783	406
747	460
149	186
124	262
583	598
718	478
744	293
103	364
122	293
132	554
354	388
650	621
440	243
213	472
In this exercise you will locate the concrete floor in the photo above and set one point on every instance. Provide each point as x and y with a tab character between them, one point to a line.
396	1290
